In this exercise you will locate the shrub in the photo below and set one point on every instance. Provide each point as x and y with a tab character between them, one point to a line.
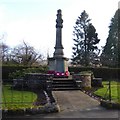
21	73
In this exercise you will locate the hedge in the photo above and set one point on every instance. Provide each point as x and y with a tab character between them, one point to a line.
102	72
6	70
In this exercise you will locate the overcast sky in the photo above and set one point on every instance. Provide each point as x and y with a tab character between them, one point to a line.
34	21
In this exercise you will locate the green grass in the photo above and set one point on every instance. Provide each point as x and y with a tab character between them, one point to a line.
104	92
13	99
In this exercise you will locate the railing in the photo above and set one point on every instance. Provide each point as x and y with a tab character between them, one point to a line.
13	98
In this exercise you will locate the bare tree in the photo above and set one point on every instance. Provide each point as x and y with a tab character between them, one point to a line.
4	50
25	55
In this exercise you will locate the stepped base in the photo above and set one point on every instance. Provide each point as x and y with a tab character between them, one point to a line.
64	84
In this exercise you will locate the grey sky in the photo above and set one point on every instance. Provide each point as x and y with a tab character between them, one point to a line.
34	21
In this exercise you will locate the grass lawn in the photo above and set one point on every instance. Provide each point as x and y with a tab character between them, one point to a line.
13	99
104	92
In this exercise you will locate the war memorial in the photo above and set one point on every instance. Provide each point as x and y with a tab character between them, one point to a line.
58	62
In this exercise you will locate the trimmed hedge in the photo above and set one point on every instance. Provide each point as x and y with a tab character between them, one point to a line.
102	72
6	70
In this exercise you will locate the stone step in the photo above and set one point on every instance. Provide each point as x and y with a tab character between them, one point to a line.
62	79
63	82
64	85
65	89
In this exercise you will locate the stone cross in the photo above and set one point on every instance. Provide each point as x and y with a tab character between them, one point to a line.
59	47
59	20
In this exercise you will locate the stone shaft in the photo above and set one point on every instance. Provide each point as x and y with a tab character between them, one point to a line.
58	46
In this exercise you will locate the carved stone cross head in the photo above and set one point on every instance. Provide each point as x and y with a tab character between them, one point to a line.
59	20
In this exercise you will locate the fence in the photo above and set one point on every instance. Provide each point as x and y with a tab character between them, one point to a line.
19	98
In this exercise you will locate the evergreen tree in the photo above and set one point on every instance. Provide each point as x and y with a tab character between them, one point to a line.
86	39
111	51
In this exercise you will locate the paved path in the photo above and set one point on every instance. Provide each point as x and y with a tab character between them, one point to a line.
74	100
75	104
